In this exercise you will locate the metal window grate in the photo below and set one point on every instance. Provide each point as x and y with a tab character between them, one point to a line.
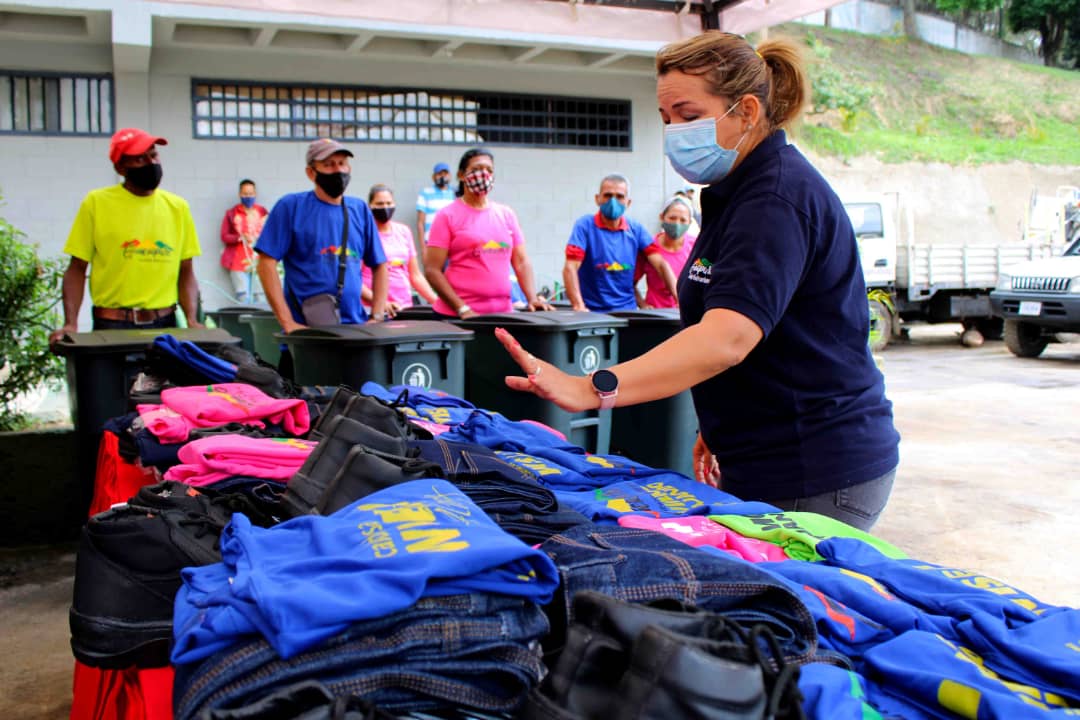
262	111
55	104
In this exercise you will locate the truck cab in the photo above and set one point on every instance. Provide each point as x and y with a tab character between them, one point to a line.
1039	299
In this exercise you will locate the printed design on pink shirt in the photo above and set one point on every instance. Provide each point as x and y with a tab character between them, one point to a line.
613	267
491	246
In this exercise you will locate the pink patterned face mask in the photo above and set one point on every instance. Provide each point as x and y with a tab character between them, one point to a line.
479	182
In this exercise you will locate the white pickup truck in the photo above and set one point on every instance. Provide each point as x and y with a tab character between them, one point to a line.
933	282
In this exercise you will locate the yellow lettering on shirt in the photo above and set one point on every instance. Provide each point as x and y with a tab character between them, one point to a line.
601	461
677	501
432	540
438	414
979	581
382	545
532	463
1026	693
874	584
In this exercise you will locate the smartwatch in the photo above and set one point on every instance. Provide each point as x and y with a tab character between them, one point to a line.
606	386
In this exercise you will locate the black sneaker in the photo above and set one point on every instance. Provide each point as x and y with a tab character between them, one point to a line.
660	661
365	472
127	574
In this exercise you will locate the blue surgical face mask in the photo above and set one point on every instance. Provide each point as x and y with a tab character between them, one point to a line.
694	153
248	201
612	209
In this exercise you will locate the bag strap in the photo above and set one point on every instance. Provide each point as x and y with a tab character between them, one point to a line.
344	254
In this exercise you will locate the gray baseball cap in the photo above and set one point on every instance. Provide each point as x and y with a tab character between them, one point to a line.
323	148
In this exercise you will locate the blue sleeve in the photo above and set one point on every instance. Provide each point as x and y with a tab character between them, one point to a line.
764	252
579	236
641	237
276	234
373	249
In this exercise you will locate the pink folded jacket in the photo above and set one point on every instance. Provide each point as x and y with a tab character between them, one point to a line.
185	408
696	530
207	460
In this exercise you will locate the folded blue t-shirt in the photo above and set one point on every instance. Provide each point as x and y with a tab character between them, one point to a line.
414	396
661	495
308	579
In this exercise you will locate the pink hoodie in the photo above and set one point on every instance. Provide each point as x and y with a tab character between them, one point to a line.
185	408
207	460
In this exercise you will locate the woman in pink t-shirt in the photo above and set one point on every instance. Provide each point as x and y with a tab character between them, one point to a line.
397	242
675	245
473	244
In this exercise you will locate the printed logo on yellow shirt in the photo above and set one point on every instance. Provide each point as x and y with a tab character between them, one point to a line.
157	251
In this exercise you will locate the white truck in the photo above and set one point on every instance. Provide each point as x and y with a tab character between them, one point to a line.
1041	298
932	282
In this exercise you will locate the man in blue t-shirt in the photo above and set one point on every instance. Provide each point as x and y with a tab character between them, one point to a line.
431	200
603	250
304	230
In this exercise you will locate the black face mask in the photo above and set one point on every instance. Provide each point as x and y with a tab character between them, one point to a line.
333	184
145	177
383	214
441	182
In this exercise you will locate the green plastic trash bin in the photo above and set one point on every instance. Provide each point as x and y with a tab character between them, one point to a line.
228	319
422	353
661	433
263	327
100	368
575	342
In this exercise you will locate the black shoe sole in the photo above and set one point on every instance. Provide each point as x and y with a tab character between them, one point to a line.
114	644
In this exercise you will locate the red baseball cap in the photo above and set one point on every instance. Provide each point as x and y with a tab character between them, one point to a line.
132	141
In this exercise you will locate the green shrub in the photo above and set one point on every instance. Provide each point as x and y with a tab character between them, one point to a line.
29	292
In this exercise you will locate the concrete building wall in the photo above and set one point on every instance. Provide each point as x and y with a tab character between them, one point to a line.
44	178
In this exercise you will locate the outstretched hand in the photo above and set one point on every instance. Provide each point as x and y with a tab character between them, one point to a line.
571	393
706	469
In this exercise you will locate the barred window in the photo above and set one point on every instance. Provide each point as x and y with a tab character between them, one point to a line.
227	109
55	104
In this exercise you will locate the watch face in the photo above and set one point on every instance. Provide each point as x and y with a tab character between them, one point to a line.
605	381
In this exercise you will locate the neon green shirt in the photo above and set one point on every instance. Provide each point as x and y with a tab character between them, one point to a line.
134	246
798	533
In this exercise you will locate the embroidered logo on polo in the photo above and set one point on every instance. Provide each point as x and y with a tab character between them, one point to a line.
700	271
156	251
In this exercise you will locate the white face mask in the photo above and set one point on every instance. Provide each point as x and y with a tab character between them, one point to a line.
694	153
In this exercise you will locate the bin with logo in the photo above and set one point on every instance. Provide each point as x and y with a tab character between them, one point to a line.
101	366
660	433
575	342
264	328
421	353
228	319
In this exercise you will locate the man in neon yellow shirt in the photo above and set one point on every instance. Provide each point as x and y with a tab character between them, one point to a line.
138	242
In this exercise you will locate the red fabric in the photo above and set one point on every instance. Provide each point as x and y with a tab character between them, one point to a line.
131	693
651	249
573	252
601	221
116	480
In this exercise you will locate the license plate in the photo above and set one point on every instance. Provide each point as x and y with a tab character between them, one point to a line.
1030	307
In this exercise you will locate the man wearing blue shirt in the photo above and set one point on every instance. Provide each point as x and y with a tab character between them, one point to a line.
430	201
304	230
603	250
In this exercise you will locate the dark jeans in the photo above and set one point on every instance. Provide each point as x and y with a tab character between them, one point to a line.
475	651
641	566
858	505
510	495
169	321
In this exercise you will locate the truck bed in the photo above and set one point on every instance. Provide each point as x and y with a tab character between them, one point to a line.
924	269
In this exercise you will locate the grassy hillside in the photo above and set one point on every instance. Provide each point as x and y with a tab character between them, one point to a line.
901	100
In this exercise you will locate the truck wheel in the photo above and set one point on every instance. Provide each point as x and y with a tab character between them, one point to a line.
1024	339
991	328
880	326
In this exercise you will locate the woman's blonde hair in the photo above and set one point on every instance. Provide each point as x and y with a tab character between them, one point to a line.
774	73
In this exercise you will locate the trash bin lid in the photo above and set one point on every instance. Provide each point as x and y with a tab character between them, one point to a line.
389	332
651	317
107	341
543	321
238	310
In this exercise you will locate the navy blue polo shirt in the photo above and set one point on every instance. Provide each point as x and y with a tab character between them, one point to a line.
805	413
606	274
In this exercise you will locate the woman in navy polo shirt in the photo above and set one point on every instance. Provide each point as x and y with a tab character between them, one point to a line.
791	408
